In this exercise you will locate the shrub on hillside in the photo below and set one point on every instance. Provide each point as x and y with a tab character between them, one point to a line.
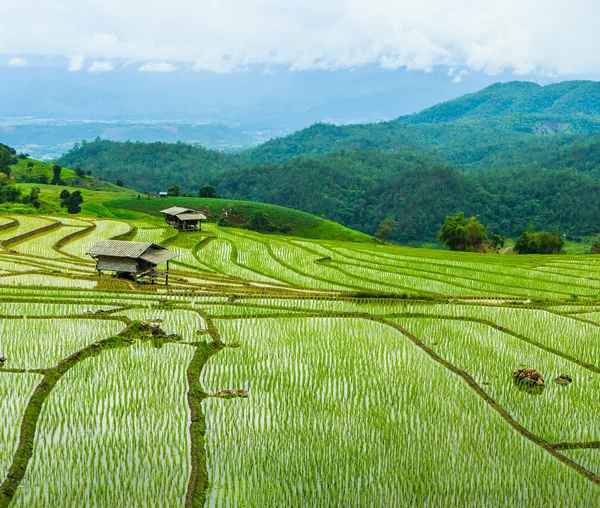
540	242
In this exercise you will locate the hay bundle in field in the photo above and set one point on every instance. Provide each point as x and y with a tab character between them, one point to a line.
564	379
529	377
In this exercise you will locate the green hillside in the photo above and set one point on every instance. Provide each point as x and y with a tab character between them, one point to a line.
236	213
515	153
23	189
564	99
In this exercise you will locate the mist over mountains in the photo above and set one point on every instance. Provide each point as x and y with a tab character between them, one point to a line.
45	109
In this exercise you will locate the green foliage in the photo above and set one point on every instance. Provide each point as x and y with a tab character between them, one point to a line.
208	191
595	247
33	197
460	233
64	194
5	160
259	221
513	153
497	241
72	201
9	193
56	170
173	191
541	242
386	229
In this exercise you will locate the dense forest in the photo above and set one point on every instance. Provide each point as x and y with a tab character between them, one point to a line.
516	154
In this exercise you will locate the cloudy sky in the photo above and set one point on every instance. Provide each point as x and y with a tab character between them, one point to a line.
522	37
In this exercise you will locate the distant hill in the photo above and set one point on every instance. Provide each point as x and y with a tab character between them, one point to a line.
465	131
564	99
514	153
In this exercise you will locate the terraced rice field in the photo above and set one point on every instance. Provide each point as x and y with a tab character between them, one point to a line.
276	371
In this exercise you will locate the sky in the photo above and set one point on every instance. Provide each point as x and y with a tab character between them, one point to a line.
278	64
524	37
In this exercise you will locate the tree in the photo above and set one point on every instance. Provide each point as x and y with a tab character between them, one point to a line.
119	182
208	191
541	242
460	233
5	160
79	172
385	229
56	169
64	194
72	202
173	191
9	193
30	164
497	241
595	247
259	221
34	194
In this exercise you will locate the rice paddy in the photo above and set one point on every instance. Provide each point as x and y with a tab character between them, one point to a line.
276	371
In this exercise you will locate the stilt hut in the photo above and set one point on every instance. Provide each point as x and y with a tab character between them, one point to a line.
184	219
132	259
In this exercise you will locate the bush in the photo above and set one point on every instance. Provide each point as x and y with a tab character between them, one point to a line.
259	221
595	247
461	233
541	242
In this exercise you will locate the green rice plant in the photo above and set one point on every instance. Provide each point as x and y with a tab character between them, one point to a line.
105	230
154	235
255	255
27	309
219	254
185	323
587	457
42	245
35	279
27	223
558	414
350	412
114	432
15	390
42	343
69	220
564	334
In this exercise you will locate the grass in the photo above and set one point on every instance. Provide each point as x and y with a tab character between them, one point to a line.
300	224
376	374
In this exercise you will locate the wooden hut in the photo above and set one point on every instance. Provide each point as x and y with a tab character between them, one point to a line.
184	219
131	259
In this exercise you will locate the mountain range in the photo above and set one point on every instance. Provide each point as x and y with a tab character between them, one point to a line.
514	153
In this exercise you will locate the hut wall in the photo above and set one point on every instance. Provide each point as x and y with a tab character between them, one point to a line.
117	264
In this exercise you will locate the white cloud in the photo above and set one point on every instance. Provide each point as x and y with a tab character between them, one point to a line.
157	67
17	62
103	66
522	36
76	63
459	77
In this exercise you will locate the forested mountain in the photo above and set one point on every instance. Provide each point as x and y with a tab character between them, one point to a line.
153	166
565	99
515	153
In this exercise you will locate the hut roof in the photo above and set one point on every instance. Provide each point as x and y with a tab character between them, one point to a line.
120	249
184	213
176	210
191	216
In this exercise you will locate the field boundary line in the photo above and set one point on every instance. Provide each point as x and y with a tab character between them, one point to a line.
490	401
